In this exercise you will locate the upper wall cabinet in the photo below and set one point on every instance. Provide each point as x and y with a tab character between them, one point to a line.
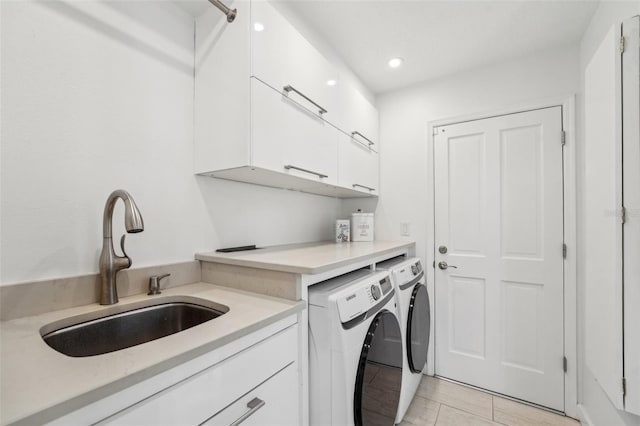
266	111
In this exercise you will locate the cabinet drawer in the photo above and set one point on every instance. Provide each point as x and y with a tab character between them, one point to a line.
198	397
274	402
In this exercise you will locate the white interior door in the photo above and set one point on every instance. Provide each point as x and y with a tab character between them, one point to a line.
499	213
631	200
602	236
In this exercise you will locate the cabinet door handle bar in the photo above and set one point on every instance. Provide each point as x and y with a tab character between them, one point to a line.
355	132
363	186
320	175
289	88
254	405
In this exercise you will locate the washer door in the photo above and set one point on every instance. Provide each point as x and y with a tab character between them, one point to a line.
418	328
375	401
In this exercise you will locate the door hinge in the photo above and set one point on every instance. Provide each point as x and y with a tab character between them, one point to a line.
624	386
623	215
563	138
564	364
622	44
564	252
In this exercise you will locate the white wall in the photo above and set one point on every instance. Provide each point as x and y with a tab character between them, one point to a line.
404	116
595	404
98	96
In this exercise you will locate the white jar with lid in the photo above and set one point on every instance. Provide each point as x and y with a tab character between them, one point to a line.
361	226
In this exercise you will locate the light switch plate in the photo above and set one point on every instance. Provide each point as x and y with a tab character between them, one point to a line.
404	229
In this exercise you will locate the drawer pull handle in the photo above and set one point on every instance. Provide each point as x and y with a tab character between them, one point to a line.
363	186
355	132
320	175
254	405
289	88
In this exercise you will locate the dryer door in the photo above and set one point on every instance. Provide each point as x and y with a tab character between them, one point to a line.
377	390
418	328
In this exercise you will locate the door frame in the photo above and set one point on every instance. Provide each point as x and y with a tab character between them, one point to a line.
567	103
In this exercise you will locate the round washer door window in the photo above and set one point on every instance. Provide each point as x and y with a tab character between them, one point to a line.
418	326
375	402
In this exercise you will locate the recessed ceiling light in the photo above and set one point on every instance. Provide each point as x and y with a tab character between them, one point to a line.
395	62
258	26
331	82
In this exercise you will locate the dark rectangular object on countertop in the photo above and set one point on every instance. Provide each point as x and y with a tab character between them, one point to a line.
241	248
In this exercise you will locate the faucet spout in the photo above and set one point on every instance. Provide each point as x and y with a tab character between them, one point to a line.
110	263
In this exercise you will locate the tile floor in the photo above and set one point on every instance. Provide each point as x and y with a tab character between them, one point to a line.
443	403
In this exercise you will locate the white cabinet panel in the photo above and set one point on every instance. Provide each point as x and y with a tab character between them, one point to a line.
356	114
273	403
221	95
358	165
281	57
287	134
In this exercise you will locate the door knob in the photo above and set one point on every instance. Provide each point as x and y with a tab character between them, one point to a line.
443	265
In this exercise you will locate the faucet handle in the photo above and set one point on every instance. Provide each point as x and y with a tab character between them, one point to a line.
154	284
126	256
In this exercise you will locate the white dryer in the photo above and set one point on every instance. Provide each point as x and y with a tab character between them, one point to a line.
414	308
345	314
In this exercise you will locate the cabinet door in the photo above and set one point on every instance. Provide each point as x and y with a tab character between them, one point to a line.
286	137
358	165
221	95
274	402
356	116
281	56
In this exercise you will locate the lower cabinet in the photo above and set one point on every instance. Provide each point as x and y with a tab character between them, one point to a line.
267	370
251	380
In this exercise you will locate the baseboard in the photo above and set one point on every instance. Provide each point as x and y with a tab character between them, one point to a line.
584	416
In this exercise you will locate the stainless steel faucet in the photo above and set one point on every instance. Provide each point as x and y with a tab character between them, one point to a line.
110	263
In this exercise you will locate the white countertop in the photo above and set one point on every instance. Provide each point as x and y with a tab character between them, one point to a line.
35	378
308	258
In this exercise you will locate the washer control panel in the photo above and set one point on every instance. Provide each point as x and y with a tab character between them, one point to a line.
361	296
407	272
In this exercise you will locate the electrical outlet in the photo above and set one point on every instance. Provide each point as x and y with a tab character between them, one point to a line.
404	229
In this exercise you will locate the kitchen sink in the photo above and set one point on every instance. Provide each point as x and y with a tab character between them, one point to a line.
113	331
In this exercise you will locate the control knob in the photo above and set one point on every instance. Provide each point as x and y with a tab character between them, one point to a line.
414	269
375	292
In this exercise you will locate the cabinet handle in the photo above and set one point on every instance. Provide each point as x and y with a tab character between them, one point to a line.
355	132
320	175
254	405
289	88
363	186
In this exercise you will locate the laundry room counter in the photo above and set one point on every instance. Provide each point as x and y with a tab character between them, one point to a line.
310	258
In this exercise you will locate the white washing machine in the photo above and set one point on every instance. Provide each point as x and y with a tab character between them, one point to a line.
414	308
345	315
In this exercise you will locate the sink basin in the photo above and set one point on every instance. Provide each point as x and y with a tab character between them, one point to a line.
113	331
